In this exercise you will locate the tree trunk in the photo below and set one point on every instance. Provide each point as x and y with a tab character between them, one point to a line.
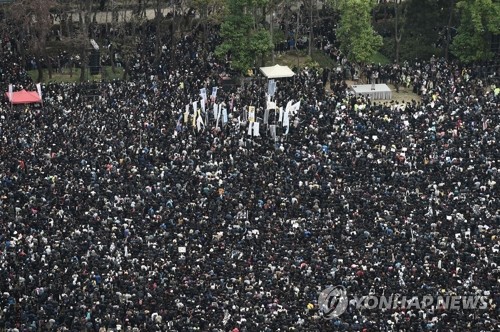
448	32
49	65
112	58
84	64
271	27
125	70
311	32
158	15
39	69
398	32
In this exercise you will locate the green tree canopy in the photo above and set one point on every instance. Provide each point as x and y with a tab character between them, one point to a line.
479	19
358	40
242	37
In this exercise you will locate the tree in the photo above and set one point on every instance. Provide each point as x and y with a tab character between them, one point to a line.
358	40
243	38
211	12
479	19
33	21
398	27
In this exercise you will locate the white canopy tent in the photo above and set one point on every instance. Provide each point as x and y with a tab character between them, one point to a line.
277	71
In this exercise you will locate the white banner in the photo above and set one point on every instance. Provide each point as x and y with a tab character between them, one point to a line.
251	114
39	89
250	129
11	89
224	116
199	123
295	108
286	119
271	87
216	109
186	114
280	119
219	111
266	116
271	105
272	130
256	129
214	92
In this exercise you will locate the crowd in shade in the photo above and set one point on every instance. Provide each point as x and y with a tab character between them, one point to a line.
122	211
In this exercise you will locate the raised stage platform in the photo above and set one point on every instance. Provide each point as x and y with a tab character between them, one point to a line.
382	91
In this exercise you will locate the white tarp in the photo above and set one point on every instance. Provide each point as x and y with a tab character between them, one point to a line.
277	71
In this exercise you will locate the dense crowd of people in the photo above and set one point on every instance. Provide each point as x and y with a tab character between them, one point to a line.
119	213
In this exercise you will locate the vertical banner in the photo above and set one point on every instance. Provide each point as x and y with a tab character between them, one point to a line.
224	116
244	116
266	116
195	106
271	88
251	114
203	95
39	90
195	116
272	130
280	119
186	114
286	121
250	128
219	111
11	89
178	126
216	109
256	126
231	103
199	122
214	93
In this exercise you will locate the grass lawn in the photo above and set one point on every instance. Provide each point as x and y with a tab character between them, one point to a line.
301	59
65	77
380	58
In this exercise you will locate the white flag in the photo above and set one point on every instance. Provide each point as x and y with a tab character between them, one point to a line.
11	88
280	119
214	92
195	106
250	128
288	106
39	89
295	108
256	129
